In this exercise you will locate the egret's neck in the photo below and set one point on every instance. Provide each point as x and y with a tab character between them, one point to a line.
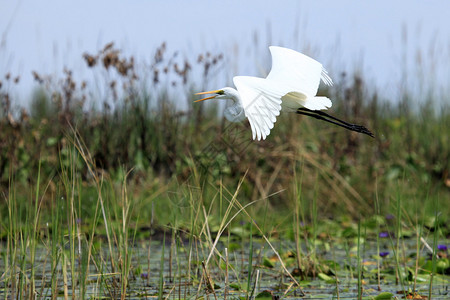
235	111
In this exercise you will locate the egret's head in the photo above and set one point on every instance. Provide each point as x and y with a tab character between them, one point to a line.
225	93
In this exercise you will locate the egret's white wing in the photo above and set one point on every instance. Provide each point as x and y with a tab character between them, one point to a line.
298	72
261	100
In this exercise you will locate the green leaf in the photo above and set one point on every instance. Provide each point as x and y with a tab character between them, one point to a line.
264	295
326	278
384	295
267	262
52	141
233	246
236	286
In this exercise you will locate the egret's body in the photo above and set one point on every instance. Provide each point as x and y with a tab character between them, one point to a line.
291	85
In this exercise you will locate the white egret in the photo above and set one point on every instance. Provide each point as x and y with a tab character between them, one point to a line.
291	85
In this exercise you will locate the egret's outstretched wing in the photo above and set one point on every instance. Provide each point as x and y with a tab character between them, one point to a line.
293	80
261	100
297	71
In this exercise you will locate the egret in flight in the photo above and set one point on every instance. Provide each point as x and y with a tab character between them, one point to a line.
291	85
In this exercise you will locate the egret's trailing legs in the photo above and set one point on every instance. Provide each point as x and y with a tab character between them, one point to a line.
320	115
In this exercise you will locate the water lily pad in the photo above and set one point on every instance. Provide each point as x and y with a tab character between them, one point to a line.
268	263
238	286
326	278
384	296
266	295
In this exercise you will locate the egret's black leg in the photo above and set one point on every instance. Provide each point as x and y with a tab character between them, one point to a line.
320	115
354	127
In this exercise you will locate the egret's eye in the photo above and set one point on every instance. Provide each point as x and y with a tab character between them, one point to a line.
220	92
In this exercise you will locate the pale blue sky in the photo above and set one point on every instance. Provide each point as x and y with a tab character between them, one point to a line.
47	35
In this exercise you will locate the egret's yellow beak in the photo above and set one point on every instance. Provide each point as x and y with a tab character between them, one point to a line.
207	98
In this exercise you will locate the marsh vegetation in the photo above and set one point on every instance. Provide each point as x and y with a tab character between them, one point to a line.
112	191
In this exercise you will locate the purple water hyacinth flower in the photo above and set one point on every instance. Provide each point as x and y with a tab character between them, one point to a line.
384	254
390	216
383	234
442	247
144	275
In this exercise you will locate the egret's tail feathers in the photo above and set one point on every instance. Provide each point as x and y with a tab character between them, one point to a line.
317	103
326	78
